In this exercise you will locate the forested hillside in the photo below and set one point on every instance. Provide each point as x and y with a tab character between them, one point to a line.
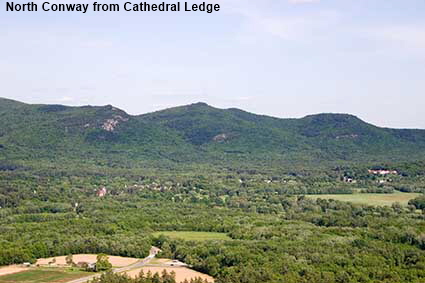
193	135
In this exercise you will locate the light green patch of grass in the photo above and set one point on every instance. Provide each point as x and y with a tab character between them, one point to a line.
43	276
193	236
371	199
159	260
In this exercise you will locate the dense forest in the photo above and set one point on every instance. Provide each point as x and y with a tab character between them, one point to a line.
277	234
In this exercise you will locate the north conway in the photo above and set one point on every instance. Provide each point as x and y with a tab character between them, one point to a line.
46	6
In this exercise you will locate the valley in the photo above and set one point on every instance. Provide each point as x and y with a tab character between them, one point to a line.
237	197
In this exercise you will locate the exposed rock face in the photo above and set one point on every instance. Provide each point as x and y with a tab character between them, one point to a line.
352	136
110	124
221	137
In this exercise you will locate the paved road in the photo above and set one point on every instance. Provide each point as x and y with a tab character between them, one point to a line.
138	264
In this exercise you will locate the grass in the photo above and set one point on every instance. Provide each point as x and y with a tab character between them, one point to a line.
193	236
159	260
43	276
371	199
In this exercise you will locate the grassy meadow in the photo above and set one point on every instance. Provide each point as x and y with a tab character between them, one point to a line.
370	199
43	276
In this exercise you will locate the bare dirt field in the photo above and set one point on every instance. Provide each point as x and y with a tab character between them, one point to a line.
116	261
11	269
182	273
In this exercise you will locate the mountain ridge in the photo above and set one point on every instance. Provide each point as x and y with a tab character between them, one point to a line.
195	134
4	100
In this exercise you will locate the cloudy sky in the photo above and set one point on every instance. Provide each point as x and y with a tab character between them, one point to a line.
285	58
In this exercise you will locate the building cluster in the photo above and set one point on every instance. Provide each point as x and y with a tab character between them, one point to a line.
382	172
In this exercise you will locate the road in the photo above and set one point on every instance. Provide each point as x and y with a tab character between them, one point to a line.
138	264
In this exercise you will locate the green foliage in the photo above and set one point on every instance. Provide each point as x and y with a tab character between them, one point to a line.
194	134
418	202
203	171
102	263
371	198
164	277
193	236
69	260
43	276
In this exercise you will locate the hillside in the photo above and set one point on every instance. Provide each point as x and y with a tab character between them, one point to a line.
193	134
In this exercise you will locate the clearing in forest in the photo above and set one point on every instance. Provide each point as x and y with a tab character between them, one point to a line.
156	260
11	269
182	273
43	276
370	199
193	236
116	261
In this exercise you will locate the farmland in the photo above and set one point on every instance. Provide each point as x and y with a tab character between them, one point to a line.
370	199
116	261
50	275
58	273
11	269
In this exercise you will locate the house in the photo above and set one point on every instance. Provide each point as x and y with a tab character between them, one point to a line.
88	266
176	262
101	192
382	172
82	264
91	266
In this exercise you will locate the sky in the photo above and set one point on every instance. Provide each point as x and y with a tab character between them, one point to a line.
284	58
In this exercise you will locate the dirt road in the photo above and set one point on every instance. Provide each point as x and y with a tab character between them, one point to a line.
138	264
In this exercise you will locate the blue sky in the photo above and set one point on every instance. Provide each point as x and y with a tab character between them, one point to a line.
285	58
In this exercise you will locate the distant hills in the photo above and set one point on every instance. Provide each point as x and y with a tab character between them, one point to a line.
193	134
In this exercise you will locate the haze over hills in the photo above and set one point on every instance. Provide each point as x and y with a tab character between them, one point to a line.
194	134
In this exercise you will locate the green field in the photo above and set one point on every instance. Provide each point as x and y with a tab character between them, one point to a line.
156	260
193	236
43	276
371	199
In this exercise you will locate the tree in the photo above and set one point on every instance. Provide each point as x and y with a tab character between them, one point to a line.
103	263
418	202
69	260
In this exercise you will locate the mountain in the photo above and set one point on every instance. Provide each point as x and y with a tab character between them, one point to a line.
193	134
